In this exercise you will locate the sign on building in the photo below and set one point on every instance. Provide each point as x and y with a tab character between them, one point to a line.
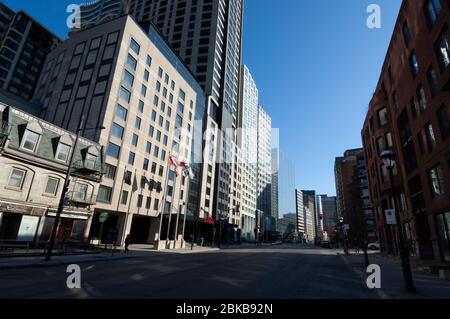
390	217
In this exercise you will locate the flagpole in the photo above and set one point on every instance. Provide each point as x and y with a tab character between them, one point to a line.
118	205
170	211
185	212
131	199
178	218
163	204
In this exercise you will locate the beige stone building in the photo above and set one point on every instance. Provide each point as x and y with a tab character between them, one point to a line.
34	158
128	80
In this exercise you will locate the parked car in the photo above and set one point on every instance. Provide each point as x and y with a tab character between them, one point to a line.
374	246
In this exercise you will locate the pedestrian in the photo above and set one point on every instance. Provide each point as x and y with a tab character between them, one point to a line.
202	241
127	243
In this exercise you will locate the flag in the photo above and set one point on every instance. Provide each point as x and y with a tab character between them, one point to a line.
187	170
135	184
175	164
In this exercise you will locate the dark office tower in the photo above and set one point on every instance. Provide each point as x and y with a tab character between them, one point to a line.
207	35
24	44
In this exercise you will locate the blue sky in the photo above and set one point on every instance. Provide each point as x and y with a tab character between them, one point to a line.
316	65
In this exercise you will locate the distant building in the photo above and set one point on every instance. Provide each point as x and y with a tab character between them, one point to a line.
283	186
301	222
264	165
311	214
24	45
329	213
353	202
34	158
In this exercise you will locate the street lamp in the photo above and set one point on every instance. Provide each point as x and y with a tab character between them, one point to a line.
48	254
388	158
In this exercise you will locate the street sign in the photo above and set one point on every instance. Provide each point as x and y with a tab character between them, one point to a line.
390	217
103	217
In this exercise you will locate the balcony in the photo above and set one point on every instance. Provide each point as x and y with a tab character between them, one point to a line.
88	167
80	198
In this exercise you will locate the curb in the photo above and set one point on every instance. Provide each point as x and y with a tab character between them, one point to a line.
381	294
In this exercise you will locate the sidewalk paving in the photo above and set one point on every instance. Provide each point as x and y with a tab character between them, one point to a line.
428	286
136	251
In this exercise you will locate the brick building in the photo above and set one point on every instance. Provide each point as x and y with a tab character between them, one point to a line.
409	114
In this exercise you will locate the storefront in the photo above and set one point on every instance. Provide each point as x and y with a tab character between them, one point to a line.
19	222
443	231
72	226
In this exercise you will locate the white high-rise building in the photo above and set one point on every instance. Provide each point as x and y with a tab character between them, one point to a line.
249	142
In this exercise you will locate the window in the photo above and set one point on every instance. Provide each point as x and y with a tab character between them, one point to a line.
125	94
436	181
156	204
143	90
432	80
146	75
153	168
383	117
17	178
180	108
30	140
110	171
149	60
444	123
52	186
165	140
131	158
161	121
158	136
178	121
134	140
442	49
166	79
124	198
160	73
121	112
80	191
104	194
62	152
127	79
163	106
389	143
153	116
117	131
139	202
431	139
147	203
421	98
158	86
146	163
163	155
141	106
137	123
135	46
156	151
155	100
172	85
148	148
406	33
169	111
380	145
182	95
432	10
131	62
414	64
113	150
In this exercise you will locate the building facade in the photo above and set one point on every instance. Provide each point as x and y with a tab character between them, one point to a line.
301	221
207	35
127	79
352	200
329	214
249	145
283	186
309	204
34	159
409	115
264	165
24	45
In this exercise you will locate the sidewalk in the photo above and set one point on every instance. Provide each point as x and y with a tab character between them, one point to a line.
428	286
136	251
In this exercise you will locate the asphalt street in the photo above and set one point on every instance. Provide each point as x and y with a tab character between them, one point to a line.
278	272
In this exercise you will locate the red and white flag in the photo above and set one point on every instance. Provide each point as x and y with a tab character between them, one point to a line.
174	163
